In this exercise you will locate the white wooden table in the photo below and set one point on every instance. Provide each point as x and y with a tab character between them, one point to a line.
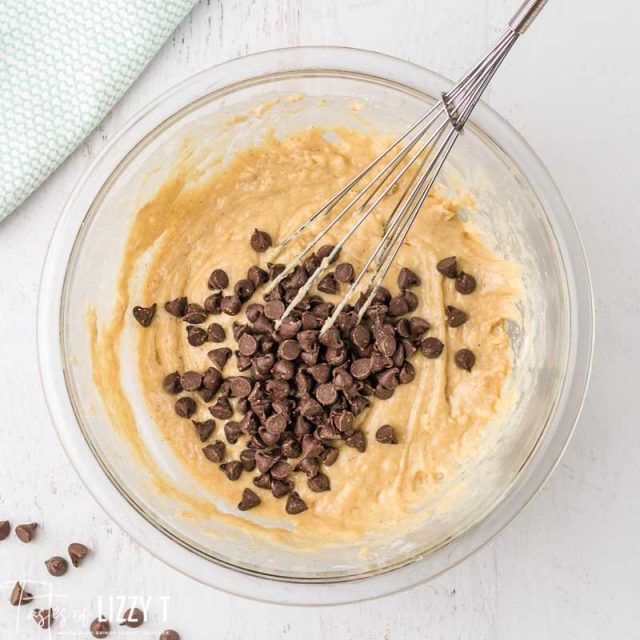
569	567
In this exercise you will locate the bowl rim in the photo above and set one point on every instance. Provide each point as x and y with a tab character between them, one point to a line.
49	330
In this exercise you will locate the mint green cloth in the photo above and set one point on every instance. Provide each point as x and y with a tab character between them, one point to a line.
63	65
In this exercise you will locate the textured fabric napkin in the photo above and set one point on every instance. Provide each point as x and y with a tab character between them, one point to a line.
63	65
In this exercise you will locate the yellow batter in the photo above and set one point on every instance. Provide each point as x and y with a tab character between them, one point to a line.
191	230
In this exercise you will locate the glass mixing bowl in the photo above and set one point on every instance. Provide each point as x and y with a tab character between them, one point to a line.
523	217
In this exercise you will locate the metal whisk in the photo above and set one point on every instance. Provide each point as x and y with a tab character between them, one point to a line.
425	144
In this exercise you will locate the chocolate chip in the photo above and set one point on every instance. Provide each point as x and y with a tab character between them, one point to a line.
328	284
407	373
361	368
289	350
311	321
204	429
196	336
465	359
465	283
298	278
212	379
232	469
389	378
265	460
57	566
260	241
319	483
232	432
386	435
171	383
219	356
100	627
311	264
19	596
289	328
169	634
342	379
295	504
386	345
274	309
191	380
132	618
275	269
247	345
418	327
325	250
407	278
257	276
244	289
345	273
431	347
278	388
77	553
398	306
254	311
409	348
262	481
248	459
455	317
218	279
26	532
221	409
212	303
280	470
284	369
231	305
291	449
215	332
357	441
43	617
280	488
215	451
5	529
329	456
144	315
448	267
411	299
309	466
321	373
361	336
195	314
331	338
176	307
326	394
276	424
249	500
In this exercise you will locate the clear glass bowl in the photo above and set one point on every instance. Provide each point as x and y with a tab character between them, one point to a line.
522	214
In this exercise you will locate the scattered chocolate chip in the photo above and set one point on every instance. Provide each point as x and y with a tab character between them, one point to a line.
295	504
411	299
176	307
418	327
244	289
326	394
407	373
328	284
280	470
169	634
262	481
329	456
5	529
465	359
77	552
196	336
219	356
455	317
195	314
222	409
100	627
319	483
284	369
247	345
274	309
291	449
260	241
407	278
248	459
448	267
232	432
43	617
345	273
361	368
212	380
465	283
386	435
431	347
215	451
231	305
232	469
386	345
57	566
216	332
212	303
191	380
218	279
257	276
398	306
275	269
309	466
357	441
185	407
144	315
325	250
289	349
254	311
280	488
19	596
132	618
249	500
26	532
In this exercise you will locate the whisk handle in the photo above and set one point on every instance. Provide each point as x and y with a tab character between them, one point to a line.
527	13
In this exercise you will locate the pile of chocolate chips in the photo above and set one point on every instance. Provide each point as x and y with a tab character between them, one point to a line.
302	391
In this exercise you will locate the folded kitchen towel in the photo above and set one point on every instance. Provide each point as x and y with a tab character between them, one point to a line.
63	65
